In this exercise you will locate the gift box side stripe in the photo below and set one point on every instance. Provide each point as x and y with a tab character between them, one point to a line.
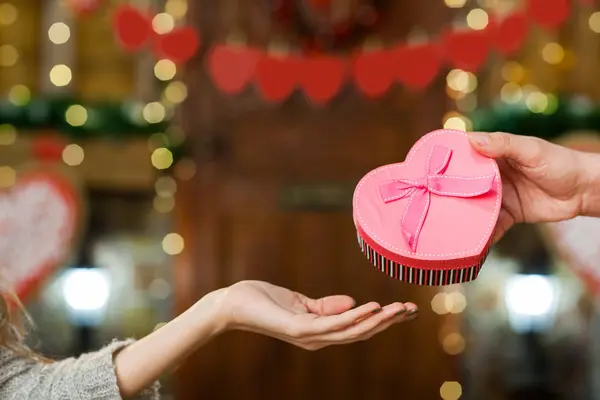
421	276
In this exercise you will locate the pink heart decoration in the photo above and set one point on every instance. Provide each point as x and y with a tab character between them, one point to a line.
38	220
429	220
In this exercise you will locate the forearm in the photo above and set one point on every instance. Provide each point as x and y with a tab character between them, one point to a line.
144	361
590	184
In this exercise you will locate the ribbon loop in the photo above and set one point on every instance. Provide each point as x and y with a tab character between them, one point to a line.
434	181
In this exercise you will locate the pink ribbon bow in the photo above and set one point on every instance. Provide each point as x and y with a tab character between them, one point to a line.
436	182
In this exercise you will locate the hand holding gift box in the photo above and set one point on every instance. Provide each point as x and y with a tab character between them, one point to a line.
430	219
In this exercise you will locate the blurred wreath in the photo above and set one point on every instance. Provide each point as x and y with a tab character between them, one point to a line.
326	25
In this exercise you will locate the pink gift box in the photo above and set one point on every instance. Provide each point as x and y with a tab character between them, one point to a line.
430	219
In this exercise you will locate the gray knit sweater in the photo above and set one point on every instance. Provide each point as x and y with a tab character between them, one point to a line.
88	377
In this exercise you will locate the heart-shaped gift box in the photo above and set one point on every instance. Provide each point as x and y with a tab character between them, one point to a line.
430	219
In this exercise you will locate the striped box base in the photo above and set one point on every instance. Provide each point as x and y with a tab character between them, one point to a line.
419	276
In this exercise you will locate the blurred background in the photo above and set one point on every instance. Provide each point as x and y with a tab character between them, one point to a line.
152	151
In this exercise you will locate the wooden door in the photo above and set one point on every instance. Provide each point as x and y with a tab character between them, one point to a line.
271	202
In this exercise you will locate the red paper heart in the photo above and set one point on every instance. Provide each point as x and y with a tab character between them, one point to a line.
374	72
321	77
179	45
232	67
416	66
133	27
277	76
466	49
510	33
38	219
549	14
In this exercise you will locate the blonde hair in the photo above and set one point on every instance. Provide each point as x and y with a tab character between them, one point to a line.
14	322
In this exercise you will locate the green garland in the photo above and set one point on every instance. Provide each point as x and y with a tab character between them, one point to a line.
562	116
109	120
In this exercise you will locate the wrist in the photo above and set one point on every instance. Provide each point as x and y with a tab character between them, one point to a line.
590	184
210	313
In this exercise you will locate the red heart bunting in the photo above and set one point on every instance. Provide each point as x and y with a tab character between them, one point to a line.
232	67
374	72
510	33
467	49
277	76
321	77
179	45
133	27
416	66
549	14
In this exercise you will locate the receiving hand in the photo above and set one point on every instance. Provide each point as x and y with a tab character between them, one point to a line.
304	322
541	181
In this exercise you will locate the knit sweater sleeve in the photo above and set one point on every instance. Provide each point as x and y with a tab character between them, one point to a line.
88	377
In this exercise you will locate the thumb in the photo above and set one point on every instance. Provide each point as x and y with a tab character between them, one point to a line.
525	150
331	305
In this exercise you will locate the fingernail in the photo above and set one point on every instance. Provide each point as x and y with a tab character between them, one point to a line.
482	139
401	312
412	312
376	310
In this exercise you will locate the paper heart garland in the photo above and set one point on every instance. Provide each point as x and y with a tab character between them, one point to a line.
510	33
277	76
410	216
321	78
374	72
133	29
549	14
232	67
417	65
467	49
38	221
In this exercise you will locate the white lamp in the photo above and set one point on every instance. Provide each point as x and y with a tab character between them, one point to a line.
531	301
86	292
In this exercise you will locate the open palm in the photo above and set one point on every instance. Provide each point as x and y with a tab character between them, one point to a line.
540	180
312	324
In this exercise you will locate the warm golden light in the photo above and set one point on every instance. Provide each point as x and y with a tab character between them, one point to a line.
511	93
455	302
438	304
457	123
59	33
165	186
537	102
451	391
19	95
162	158
177	8
477	19
76	115
153	113
165	70
73	155
163	205
461	81
8	176
453	344
594	22
163	23
8	135
553	53
8	14
512	71
8	55
455	3
60	75
173	244
176	92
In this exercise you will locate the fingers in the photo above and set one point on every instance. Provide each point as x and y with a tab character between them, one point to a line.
365	327
331	305
525	150
505	222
